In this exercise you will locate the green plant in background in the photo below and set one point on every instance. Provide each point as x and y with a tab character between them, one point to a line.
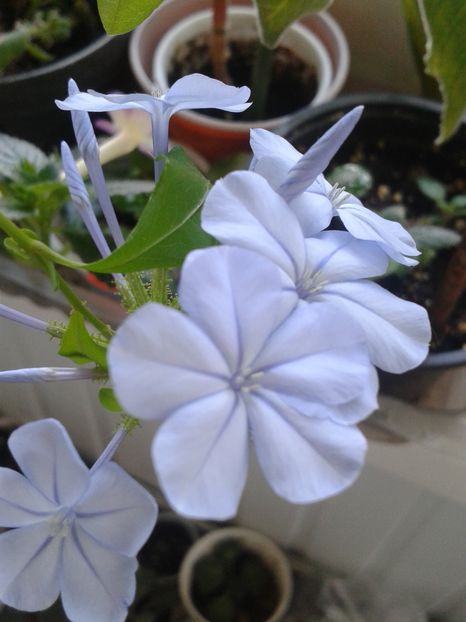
432	232
437	32
31	191
436	29
33	28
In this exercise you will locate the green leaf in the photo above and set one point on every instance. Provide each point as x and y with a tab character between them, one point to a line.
109	401
394	212
276	15
14	151
78	345
432	188
444	22
120	16
458	203
433	237
13	45
355	178
169	227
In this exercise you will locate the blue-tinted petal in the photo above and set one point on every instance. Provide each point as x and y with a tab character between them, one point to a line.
237	298
201	455
116	510
304	459
198	91
48	458
243	210
397	331
20	502
159	359
29	567
97	585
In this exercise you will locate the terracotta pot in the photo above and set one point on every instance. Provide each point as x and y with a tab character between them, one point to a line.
440	382
253	541
27	99
211	137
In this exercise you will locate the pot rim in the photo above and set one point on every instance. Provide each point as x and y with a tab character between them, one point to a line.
259	543
163	50
451	358
60	64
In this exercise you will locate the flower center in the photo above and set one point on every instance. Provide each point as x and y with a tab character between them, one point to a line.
245	380
60	523
309	284
337	195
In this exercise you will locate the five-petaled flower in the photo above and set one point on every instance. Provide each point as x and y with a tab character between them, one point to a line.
75	532
331	267
245	358
298	178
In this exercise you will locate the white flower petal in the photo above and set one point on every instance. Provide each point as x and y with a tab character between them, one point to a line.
338	256
97	585
236	297
397	331
20	502
243	210
201	455
159	359
347	413
274	170
29	568
98	102
116	510
304	459
314	355
265	144
49	460
198	91
313	211
365	224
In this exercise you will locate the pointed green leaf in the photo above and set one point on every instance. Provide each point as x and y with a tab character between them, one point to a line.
276	15
78	345
169	227
14	151
433	237
444	22
432	188
120	16
396	213
109	401
458	203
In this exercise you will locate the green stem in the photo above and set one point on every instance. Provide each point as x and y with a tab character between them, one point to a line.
81	307
137	288
218	46
159	287
260	81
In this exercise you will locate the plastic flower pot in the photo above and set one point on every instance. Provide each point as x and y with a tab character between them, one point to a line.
27	99
406	127
223	542
153	43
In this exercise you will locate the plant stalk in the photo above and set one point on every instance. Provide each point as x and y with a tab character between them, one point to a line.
218	43
260	81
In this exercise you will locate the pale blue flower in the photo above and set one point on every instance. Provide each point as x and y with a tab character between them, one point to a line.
332	267
191	92
244	360
298	178
50	374
74	532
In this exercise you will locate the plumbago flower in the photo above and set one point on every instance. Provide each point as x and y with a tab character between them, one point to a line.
244	359
73	532
192	92
332	267
298	179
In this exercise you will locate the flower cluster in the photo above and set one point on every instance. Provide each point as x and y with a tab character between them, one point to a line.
273	336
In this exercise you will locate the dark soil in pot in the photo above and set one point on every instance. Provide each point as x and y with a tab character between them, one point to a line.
394	140
233	583
293	82
6	459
